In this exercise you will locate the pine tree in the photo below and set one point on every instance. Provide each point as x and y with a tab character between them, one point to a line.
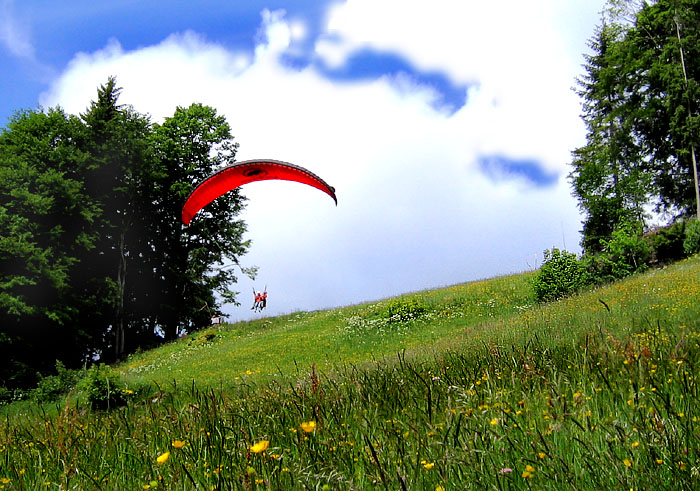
608	178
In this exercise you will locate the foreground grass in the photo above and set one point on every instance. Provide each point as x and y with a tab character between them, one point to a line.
594	391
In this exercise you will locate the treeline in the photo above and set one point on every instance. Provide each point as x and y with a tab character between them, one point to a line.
94	261
640	97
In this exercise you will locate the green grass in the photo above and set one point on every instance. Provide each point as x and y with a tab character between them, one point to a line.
283	346
480	389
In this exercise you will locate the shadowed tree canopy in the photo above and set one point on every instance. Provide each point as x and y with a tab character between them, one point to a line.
94	262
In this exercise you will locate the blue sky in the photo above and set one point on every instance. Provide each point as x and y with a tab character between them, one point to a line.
446	127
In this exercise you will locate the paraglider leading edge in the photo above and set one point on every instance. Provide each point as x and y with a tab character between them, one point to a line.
244	172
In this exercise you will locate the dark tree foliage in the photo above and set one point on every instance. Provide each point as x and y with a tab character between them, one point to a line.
608	176
94	260
45	229
189	146
666	44
640	96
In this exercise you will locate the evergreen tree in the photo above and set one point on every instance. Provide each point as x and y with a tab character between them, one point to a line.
94	259
117	174
640	96
609	178
665	42
45	229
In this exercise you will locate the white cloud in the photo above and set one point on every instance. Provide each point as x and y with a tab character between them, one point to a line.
14	36
413	209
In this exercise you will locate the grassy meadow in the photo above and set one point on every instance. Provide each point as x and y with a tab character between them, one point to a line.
473	386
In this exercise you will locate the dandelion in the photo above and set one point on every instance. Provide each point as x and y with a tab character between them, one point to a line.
627	462
429	465
163	458
494	422
308	426
527	473
541	455
635	444
261	446
178	443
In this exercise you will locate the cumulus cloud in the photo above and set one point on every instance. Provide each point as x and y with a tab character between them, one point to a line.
415	207
14	36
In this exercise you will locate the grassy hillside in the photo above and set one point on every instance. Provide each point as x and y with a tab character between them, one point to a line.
283	346
470	386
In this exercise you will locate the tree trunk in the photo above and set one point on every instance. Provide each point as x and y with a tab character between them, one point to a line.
120	334
690	115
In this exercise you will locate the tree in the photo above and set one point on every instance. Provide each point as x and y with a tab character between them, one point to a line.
666	43
94	260
45	228
196	261
609	178
116	178
640	96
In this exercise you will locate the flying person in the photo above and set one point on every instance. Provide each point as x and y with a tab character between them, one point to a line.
257	299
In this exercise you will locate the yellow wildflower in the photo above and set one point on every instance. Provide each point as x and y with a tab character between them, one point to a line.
308	426
429	465
163	458
494	421
627	462
261	446
178	443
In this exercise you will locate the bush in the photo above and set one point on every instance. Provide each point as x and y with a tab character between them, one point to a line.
561	274
51	387
5	395
668	243
691	242
627	252
102	388
405	309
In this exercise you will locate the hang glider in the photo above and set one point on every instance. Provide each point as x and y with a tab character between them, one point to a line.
245	172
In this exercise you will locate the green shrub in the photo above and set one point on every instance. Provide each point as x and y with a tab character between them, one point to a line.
405	309
5	395
51	387
561	274
691	242
627	252
668	243
102	388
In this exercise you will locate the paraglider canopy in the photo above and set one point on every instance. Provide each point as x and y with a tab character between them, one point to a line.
240	173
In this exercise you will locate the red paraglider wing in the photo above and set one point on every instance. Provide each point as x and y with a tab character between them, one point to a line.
240	173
